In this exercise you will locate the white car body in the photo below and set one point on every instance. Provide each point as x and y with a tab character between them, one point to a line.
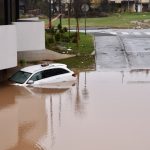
43	74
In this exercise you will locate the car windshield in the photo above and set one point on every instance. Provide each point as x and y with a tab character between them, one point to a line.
20	77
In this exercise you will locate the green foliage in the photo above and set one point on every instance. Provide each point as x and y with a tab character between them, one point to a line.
22	62
65	29
57	37
85	47
74	39
105	6
48	39
65	38
59	26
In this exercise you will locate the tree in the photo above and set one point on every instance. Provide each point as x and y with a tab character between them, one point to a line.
105	6
37	4
77	14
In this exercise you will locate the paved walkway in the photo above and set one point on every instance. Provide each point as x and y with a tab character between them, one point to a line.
41	55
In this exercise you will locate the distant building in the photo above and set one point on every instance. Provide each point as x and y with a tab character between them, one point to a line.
126	5
95	3
132	5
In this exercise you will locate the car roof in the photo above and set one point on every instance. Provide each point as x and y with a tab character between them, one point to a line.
39	67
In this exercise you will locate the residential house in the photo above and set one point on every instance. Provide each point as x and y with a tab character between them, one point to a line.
132	5
126	5
95	3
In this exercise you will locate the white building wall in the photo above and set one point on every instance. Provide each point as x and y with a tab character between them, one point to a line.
8	47
30	35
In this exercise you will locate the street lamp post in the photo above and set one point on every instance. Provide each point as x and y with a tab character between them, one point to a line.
85	9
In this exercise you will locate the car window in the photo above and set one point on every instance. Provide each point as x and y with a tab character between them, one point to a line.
37	76
53	72
20	77
61	71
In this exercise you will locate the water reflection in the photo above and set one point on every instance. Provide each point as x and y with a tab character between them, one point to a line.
124	77
24	116
137	76
101	108
85	91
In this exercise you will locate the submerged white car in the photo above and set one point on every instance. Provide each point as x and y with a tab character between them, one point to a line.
43	74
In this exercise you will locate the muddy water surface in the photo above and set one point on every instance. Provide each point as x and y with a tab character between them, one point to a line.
105	110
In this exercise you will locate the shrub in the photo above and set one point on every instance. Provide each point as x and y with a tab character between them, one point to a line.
65	29
65	38
23	62
57	37
59	27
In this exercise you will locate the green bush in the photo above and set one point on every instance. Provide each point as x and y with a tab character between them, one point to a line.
51	40
59	26
23	62
57	37
74	39
65	29
65	38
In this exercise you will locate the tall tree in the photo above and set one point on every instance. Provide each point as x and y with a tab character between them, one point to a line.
105	6
37	4
77	14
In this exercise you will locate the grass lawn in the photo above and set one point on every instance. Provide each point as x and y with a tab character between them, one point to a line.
85	45
117	20
83	58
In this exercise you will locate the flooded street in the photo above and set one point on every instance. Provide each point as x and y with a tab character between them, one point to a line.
108	110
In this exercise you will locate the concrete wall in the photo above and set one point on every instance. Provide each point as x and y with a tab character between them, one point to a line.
26	35
30	35
8	47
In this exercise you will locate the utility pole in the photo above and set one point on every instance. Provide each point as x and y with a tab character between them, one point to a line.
85	9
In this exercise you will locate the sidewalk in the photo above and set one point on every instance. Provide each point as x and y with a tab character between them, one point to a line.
40	55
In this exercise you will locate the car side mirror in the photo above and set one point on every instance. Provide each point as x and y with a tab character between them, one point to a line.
30	82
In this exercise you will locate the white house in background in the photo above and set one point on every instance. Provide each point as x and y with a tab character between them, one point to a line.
16	35
132	5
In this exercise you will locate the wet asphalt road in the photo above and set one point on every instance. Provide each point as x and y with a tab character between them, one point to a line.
122	49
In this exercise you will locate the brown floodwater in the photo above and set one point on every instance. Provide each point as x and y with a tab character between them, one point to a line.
103	111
